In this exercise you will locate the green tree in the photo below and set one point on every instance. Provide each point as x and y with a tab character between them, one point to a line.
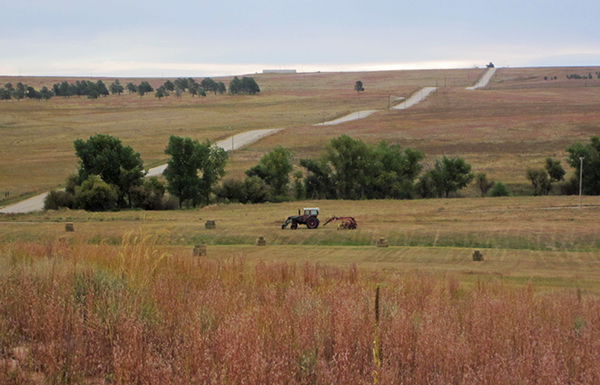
161	92
32	93
249	86
318	183
181	83
20	91
101	87
131	88
46	93
483	184
274	168
350	169
116	87
169	85
298	186
246	85
212	172
358	86
450	175
5	94
144	88
591	164
539	180
209	85
115	164
235	86
554	170
193	170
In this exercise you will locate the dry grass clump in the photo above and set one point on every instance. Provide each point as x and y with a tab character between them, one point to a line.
217	321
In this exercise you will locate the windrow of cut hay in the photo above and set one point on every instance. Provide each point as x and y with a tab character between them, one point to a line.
137	314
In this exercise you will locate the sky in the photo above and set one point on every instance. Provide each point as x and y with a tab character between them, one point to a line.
200	38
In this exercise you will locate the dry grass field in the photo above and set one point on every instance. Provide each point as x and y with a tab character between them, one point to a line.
516	124
522	238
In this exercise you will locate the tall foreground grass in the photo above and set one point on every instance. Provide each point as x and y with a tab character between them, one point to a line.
135	314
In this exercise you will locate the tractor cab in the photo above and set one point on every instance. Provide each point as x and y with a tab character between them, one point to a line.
311	211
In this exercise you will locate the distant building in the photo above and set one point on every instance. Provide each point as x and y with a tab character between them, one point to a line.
279	71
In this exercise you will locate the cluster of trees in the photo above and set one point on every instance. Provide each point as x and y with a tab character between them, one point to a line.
111	176
180	85
588	76
81	88
586	155
349	169
246	85
21	91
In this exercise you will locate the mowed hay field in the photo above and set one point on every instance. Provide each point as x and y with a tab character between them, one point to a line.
515	124
522	239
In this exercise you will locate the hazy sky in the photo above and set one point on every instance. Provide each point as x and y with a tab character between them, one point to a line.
174	38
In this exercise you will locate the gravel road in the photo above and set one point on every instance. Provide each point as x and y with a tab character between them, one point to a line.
485	79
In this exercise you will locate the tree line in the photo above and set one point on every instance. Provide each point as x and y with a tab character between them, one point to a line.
111	176
94	90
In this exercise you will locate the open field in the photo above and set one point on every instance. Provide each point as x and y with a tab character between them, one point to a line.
516	124
545	238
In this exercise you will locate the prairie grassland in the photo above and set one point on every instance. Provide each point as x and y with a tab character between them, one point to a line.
142	313
501	131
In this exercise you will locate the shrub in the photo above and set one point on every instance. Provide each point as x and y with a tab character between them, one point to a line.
96	195
231	190
150	195
58	199
570	186
499	190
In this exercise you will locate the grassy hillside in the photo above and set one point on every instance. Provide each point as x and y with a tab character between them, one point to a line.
516	124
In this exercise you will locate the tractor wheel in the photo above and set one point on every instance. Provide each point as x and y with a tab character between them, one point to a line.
294	226
312	223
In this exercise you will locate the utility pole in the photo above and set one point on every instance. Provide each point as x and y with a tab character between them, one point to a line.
580	178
